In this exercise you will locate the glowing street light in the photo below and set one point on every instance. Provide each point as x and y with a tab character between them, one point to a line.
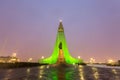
30	59
110	61
42	57
92	60
14	55
79	57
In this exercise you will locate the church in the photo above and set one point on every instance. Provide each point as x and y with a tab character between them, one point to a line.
61	53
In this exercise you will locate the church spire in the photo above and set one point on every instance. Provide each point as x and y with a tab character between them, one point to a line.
60	28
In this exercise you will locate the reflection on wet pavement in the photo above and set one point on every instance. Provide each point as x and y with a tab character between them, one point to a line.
50	72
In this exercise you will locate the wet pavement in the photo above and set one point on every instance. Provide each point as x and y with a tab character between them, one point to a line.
50	72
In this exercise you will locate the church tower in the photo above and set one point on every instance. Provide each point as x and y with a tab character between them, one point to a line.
60	51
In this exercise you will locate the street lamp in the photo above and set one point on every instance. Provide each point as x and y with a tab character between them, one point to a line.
79	57
14	55
110	61
30	59
42	57
92	60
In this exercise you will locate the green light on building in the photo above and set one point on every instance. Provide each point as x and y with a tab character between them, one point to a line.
60	39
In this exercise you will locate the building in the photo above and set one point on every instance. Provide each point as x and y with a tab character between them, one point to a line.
8	59
60	45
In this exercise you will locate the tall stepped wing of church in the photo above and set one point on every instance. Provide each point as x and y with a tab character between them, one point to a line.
60	52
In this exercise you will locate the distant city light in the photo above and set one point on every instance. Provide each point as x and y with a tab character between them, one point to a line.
9	59
92	60
42	57
79	57
110	61
30	59
14	54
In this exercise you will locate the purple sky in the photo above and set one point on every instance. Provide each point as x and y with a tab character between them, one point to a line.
29	27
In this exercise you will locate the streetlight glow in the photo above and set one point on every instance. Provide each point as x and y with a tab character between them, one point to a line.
92	60
30	59
42	57
14	55
79	57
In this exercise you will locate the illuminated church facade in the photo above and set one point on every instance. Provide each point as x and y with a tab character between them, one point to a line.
60	53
